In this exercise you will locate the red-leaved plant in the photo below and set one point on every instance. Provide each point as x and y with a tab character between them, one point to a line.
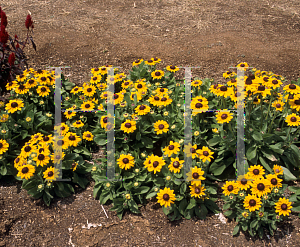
12	57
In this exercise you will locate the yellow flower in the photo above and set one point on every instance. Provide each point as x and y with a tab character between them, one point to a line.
252	203
161	126
78	124
154	163
3	146
205	154
278	170
245	214
278	105
72	139
166	197
260	187
126	161
197	191
224	116
137	62
94	168
283	207
42	159
87	135
129	126
51	174
230	187
256	171
195	176
172	68
293	120
175	165
14	105
26	171
215	130
173	148
157	74
43	91
127	196
142	109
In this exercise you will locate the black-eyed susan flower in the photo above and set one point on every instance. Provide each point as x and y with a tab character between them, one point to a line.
157	74
64	128
142	109
89	90
230	187
72	139
295	103
197	191
260	187
191	151
69	113
196	83
156	60
76	90
27	149
252	203
101	86
195	176
172	68
275	182
243	65
243	182
4	118
137	62
57	157
118	98
43	80
78	124
283	206
245	214
95	71
60	143
96	78
51	174
232	83
41	159
87	106
11	85
129	126
154	100
43	148
292	89
103	122
21	89
173	148
74	166
150	62
154	163
140	85
255	172
161	127
43	91
224	116
126	84
26	171
36	137
175	165
126	161
278	170
3	146
274	83
205	154
224	91
165	100
87	135
166	197
261	89
14	105
198	107
292	120
278	105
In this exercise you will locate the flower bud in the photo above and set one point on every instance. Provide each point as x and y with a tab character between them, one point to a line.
136	170
41	186
136	184
107	185
168	178
156	189
28	22
94	168
127	196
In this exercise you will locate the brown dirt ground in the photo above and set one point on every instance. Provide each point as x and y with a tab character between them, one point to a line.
211	34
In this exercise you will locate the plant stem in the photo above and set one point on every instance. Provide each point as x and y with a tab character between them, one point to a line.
261	118
269	107
224	102
292	139
285	109
272	122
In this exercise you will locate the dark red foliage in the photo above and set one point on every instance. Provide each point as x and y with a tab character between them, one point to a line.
12	57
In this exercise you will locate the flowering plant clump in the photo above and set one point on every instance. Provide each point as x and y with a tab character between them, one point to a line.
30	109
12	57
256	201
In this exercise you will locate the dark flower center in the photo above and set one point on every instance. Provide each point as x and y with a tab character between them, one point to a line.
175	164
156	98
297	102
195	175
89	90
233	80
205	153
198	105
162	90
21	87
95	78
116	96
284	206
197	190
193	150
277	170
166	197
72	138
60	142
230	188
278	105
163	99
155	164
139	86
215	86
172	67
293	119
88	135
25	170
136	61
244	181
171	147
292	86
157	73
161	126
255	100
39	71
229	72
128	125
242	65
252	202
62	128
14	104
27	148
57	157
105	120
255	171
105	95
73	165
224	116
248	81
126	83
17	159
274	181
1	145
50	174
43	78
260	186
261	88
77	122
200	100
41	157
275	82
41	150
43	89
125	160
150	61
69	112
266	79
76	89
223	88
87	106
142	107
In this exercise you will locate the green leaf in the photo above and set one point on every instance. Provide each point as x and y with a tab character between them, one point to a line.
133	207
257	136
100	141
191	204
265	164
236	230
228	213
104	197
226	205
214	141
296	206
253	224
138	136
141	190
294	189
183	188
288	176
150	195
147	142
182	206
251	154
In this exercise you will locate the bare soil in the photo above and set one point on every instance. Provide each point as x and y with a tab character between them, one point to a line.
213	35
